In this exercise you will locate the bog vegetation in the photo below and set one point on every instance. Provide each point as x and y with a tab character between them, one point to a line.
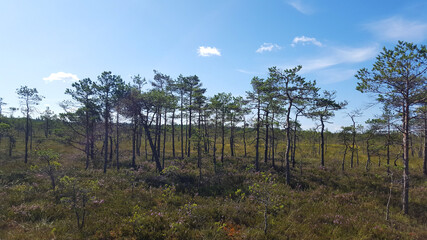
161	160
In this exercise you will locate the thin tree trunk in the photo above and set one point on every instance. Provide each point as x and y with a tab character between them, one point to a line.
322	144
207	147
182	128
117	142
27	131
186	135
159	132
138	141
31	135
353	142
357	155
106	116
111	148
215	136
294	139
11	145
134	136
92	141
266	137
273	162
189	126
257	135
153	148
232	136
288	143
173	133
244	136
405	195
87	147
343	159
387	215
199	150
388	145
223	136
368	153
425	143
164	140
145	147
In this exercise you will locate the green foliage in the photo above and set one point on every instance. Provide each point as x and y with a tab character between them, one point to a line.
78	196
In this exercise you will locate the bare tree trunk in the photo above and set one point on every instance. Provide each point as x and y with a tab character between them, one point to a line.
244	136
232	136
357	155
387	215
27	132
288	143
257	136
111	148
189	126
138	137
368	153
266	137
214	144
322	142
294	145
87	145
31	135
134	136
186	135
273	162
425	143
164	140
343	159
388	146
173	133
106	128
353	142
223	136
153	148
182	129
92	141
199	150
145	147
405	195
159	132
117	142
206	142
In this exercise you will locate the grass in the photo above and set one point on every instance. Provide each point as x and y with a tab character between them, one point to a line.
321	203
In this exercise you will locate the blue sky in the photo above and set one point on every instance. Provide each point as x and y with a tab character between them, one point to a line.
49	44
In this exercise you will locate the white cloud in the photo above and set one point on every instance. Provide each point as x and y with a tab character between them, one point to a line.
61	76
208	51
334	75
338	56
397	28
246	72
300	7
268	47
305	40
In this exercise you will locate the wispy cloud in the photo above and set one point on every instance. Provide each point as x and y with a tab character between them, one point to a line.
397	28
61	76
208	51
247	72
305	40
268	47
300	6
338	56
334	75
